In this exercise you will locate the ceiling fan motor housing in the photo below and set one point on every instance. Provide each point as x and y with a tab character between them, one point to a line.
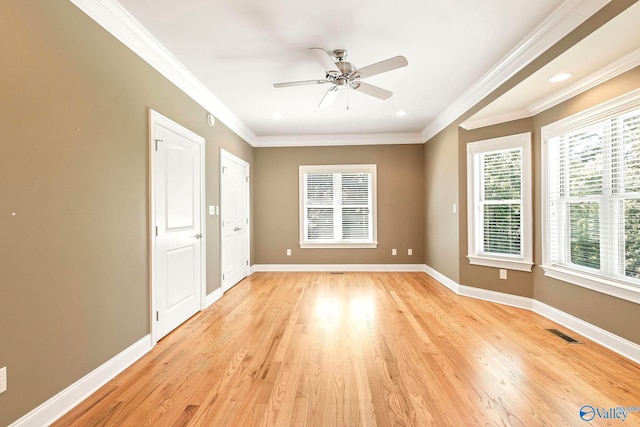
345	67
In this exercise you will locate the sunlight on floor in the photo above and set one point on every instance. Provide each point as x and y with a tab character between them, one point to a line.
363	309
331	311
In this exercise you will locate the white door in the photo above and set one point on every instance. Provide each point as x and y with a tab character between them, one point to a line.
234	213
177	184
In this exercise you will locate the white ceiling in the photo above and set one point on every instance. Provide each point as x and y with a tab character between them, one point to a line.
237	49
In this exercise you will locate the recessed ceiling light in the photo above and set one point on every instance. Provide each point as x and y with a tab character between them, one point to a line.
276	116
401	113
560	77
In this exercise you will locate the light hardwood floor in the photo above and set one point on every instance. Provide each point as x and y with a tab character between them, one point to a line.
352	349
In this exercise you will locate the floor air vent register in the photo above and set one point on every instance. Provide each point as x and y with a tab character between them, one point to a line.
565	337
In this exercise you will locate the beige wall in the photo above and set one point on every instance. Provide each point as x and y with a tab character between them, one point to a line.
74	283
441	193
400	204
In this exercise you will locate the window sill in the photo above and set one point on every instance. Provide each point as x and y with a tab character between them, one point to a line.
509	264
338	245
599	284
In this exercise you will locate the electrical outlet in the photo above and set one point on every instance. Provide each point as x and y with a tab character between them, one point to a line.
409	251
288	252
3	379
394	252
503	274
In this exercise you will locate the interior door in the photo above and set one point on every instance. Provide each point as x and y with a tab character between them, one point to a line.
178	281
234	212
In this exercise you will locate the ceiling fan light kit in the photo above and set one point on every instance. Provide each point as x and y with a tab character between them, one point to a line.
342	74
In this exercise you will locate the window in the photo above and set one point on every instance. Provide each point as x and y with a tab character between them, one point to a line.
592	198
338	206
499	202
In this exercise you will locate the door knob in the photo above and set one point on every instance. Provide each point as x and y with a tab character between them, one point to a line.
198	236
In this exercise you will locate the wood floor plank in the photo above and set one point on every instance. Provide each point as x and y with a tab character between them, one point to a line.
362	349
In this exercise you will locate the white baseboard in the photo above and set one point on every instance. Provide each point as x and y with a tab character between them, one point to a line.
337	267
213	297
498	297
71	396
451	284
613	342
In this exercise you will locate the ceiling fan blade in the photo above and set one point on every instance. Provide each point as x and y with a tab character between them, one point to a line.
382	66
301	83
372	90
324	59
328	97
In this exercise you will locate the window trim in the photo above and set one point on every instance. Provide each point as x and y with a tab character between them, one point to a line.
520	263
362	168
604	111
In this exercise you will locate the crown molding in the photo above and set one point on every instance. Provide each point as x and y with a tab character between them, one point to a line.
338	139
612	70
110	15
569	15
117	21
604	74
498	118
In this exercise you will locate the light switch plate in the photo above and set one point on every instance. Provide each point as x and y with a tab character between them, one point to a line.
212	210
3	379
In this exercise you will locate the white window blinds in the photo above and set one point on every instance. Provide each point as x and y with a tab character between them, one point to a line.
355	205
593	198
337	205
319	207
500	202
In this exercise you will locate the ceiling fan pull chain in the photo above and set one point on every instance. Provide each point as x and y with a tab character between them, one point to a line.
347	97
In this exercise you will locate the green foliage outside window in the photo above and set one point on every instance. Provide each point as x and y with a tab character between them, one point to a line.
631	154
584	221
502	223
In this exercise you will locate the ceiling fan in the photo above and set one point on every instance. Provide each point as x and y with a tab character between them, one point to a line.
342	74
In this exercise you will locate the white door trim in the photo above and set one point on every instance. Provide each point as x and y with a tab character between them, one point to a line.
229	156
157	118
